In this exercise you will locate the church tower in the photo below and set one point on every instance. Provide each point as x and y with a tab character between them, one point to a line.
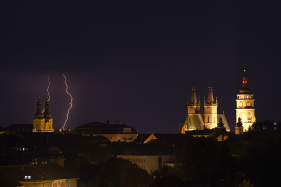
210	111
48	118
38	121
43	122
193	107
245	105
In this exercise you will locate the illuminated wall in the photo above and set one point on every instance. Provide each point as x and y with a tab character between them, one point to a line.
245	110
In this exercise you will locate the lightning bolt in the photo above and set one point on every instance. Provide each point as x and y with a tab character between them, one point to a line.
70	101
49	96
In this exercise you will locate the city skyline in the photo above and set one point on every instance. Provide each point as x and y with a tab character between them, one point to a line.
136	63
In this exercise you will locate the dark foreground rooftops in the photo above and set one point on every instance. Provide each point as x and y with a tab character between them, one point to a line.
14	175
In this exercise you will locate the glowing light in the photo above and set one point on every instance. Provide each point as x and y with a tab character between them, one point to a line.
244	82
49	96
70	101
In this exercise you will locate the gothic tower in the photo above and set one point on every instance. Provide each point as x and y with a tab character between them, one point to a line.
193	107
48	118
245	105
38	121
210	111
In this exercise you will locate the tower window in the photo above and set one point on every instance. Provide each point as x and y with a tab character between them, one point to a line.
241	104
249	116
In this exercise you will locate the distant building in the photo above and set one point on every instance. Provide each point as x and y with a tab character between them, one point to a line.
208	120
37	175
150	162
114	132
245	109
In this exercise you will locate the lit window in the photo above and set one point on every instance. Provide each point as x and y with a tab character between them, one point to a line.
29	177
25	177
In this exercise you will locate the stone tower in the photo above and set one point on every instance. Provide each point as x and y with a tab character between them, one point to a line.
245	105
210	111
43	122
193	107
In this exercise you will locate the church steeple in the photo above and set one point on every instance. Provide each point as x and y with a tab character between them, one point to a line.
38	114
193	96
193	106
210	96
244	88
47	114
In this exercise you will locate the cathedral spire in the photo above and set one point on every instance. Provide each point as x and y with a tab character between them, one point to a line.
210	96
38	114
194	95
47	114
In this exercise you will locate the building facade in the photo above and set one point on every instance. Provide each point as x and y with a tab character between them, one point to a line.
197	121
245	108
150	162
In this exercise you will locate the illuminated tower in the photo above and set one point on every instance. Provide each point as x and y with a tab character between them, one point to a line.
193	107
38	121
43	122
210	111
48	127
245	105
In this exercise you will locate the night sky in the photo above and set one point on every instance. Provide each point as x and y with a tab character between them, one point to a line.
135	62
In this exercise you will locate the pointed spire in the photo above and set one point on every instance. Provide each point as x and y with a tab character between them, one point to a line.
47	113
192	96
210	96
216	99
195	99
38	114
244	88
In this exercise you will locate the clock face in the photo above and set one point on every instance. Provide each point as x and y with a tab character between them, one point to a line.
249	104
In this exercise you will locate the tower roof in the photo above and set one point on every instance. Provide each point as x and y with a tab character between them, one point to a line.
244	88
38	114
47	113
210	96
193	96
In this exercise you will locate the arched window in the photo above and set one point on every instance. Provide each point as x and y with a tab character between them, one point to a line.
249	104
249	116
241	104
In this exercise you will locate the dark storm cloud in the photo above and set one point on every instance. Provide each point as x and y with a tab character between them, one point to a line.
136	61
